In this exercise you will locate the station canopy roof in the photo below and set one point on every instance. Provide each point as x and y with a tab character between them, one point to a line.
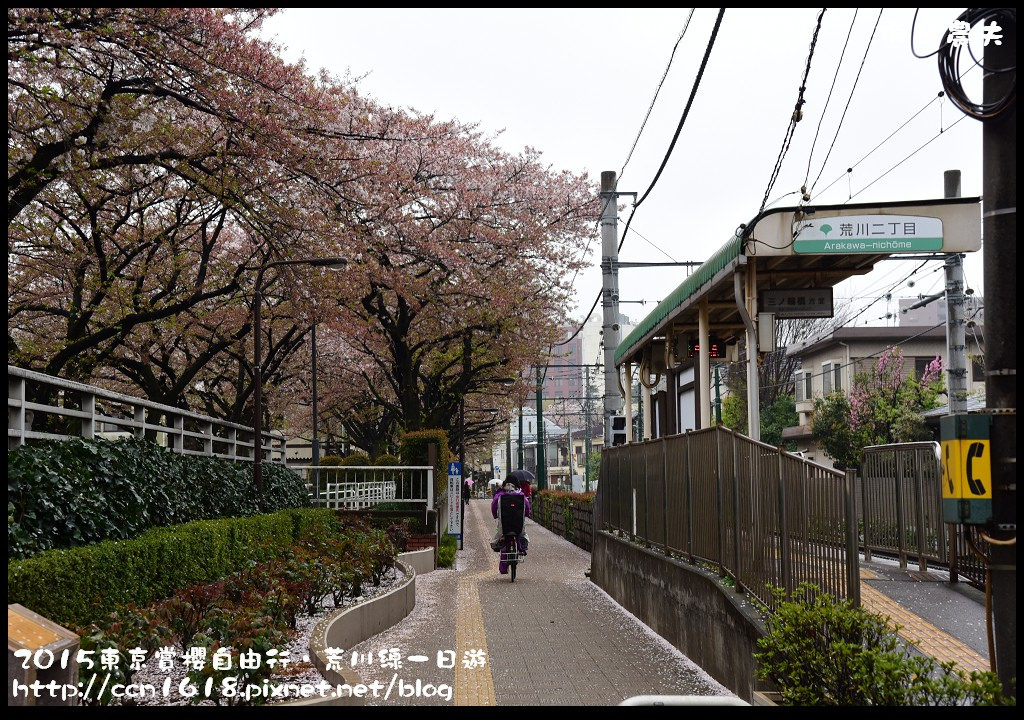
792	248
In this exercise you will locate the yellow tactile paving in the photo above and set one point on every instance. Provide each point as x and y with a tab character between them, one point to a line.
922	634
473	686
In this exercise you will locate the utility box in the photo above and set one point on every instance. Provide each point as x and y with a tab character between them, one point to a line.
966	457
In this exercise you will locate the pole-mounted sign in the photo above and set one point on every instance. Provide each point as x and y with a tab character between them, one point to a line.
455	499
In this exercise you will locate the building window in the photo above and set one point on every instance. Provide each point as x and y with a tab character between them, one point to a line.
826	377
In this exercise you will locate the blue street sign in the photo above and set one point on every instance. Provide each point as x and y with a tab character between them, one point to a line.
454	468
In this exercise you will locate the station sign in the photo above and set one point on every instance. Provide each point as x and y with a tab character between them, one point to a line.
874	234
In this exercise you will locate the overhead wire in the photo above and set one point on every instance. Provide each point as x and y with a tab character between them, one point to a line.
828	99
796	116
657	90
693	91
848	101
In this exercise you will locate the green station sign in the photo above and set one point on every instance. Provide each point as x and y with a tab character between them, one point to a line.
869	234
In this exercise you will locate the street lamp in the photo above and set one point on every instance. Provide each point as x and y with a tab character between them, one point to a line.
257	470
507	382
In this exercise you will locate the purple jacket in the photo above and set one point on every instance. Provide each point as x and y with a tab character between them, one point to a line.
494	502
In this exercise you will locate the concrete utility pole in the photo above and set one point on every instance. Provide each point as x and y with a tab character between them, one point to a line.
999	228
586	441
542	475
610	299
956	322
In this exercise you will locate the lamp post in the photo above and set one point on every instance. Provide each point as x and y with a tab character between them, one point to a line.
257	372
507	382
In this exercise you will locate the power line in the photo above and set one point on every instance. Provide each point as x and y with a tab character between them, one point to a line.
656	91
797	115
828	99
848	100
686	111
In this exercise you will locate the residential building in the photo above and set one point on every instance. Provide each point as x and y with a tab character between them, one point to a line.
831	362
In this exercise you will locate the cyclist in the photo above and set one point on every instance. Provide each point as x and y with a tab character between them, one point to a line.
510	486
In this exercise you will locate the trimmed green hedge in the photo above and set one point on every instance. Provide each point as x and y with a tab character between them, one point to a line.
68	493
78	586
413	451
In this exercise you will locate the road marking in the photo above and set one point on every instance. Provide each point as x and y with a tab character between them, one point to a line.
473	686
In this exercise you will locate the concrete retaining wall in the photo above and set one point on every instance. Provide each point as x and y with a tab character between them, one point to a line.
422	561
350	626
709	623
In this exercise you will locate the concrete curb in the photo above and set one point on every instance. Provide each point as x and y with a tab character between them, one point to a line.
349	626
422	561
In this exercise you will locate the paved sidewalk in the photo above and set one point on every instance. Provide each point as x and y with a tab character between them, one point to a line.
550	638
554	638
942	619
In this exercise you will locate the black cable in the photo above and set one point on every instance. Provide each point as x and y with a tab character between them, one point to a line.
656	91
848	101
693	92
828	99
795	117
949	65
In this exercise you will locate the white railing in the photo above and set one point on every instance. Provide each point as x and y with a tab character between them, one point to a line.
355	487
64	409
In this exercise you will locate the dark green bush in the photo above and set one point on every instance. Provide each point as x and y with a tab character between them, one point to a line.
823	651
387	459
66	493
413	451
357	459
330	460
75	586
446	550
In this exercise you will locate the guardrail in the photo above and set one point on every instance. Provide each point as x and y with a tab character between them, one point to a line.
758	514
356	487
900	497
43	407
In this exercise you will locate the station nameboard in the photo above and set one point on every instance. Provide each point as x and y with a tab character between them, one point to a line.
869	234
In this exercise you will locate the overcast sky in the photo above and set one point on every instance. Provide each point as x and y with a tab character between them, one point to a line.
576	84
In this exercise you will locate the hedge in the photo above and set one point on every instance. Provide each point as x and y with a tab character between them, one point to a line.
68	493
413	451
79	586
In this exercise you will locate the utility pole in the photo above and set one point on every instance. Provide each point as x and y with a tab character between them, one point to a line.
610	299
956	330
542	478
718	397
586	441
999	228
519	440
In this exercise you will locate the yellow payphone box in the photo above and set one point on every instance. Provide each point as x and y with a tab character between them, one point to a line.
966	469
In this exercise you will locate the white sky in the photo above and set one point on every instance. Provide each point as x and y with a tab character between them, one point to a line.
576	84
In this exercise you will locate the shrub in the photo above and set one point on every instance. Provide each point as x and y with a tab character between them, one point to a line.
356	459
446	550
413	451
387	459
77	585
66	493
330	461
823	651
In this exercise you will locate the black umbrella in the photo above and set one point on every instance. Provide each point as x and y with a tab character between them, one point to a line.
521	476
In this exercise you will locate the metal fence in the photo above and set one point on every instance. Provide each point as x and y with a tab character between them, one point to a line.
761	516
571	518
356	487
900	498
43	407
